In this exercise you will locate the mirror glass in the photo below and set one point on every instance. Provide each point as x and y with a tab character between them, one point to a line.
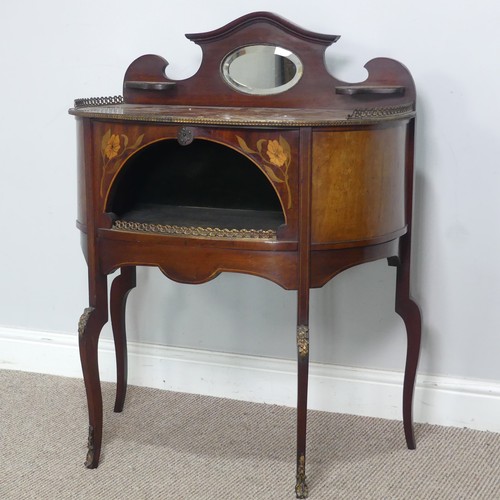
262	69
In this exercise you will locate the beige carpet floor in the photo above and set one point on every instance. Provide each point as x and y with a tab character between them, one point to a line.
177	446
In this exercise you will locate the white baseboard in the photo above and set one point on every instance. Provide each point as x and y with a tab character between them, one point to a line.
438	400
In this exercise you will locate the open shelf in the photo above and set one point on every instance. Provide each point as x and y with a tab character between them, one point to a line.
222	218
202	185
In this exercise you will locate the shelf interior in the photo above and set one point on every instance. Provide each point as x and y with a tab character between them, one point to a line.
204	184
223	218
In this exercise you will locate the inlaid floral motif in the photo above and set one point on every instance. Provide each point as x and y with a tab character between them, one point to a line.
276	157
276	153
113	147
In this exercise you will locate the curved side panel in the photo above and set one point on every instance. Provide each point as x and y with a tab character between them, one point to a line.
358	184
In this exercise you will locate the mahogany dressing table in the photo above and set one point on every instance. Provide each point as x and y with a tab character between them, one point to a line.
260	163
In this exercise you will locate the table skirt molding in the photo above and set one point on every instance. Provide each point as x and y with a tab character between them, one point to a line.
439	400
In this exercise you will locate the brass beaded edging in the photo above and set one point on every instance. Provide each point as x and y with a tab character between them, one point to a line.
246	123
207	232
361	116
380	112
91	102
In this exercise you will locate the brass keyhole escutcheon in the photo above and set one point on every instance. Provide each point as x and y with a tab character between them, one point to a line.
185	136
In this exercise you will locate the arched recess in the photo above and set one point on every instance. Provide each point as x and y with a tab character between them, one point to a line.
203	184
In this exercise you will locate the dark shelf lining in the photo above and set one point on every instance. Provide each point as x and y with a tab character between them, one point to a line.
223	218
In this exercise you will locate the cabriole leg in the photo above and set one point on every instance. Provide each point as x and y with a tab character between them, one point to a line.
89	328
410	313
301	488
303	373
120	288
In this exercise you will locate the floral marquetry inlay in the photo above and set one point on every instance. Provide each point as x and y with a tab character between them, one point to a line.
276	157
114	147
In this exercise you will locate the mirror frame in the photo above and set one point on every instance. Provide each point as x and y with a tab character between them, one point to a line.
241	87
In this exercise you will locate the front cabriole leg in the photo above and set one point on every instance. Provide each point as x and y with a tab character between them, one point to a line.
89	328
301	488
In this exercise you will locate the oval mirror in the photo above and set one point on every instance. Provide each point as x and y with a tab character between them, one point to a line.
262	69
